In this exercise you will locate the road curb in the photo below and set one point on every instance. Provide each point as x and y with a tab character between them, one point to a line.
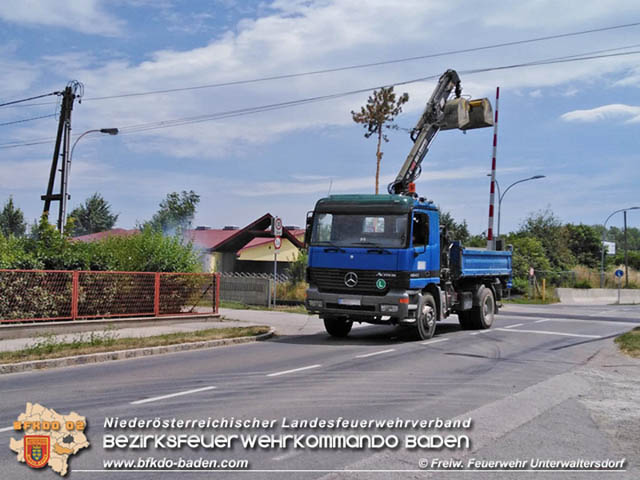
128	354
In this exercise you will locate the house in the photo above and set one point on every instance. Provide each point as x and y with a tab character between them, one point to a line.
231	249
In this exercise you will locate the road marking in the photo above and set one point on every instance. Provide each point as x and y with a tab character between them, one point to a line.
293	370
516	325
171	395
6	429
429	342
376	353
546	332
480	331
287	455
543	320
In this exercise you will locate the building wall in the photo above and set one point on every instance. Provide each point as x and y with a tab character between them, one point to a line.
264	253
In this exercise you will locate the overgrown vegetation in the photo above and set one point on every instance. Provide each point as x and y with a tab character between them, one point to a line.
629	342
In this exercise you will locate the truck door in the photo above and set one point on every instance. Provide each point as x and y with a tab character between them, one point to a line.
424	242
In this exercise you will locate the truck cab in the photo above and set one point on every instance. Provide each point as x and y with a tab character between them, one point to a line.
380	259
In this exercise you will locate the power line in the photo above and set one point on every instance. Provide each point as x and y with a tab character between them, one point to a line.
28	99
28	119
365	65
142	127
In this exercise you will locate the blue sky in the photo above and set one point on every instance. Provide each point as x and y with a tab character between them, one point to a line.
577	123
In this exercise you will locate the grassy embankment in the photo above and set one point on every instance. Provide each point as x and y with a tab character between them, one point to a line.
48	346
629	342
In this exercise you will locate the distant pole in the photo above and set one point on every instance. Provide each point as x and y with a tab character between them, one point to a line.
491	244
626	271
604	232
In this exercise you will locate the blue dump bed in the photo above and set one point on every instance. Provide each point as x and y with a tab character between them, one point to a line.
476	262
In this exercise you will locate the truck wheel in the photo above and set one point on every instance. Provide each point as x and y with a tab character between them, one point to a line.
482	315
337	327
427	314
465	320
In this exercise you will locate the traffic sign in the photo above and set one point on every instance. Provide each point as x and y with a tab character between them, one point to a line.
619	273
277	243
509	284
277	227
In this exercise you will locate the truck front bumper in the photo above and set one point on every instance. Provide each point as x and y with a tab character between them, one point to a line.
366	308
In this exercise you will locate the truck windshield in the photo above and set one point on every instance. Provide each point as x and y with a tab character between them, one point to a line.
357	230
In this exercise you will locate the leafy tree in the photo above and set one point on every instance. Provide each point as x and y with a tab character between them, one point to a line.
12	220
94	216
379	113
528	252
548	229
176	212
457	231
584	243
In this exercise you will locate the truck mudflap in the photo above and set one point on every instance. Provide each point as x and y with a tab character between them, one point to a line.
395	304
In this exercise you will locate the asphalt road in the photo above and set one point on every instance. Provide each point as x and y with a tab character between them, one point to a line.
527	383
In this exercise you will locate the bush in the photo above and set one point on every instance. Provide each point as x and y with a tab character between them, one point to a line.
582	284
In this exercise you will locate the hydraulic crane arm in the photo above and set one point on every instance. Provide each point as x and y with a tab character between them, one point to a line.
426	130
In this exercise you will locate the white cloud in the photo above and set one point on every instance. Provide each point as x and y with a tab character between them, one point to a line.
615	111
86	16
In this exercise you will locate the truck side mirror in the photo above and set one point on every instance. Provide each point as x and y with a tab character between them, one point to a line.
308	228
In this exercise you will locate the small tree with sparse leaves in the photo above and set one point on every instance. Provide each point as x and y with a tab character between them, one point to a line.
381	109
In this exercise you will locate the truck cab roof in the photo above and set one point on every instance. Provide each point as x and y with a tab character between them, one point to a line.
371	203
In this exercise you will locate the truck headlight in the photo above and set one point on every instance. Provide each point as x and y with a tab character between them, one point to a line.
389	308
315	303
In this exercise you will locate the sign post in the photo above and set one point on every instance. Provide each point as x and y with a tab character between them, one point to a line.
277	243
619	275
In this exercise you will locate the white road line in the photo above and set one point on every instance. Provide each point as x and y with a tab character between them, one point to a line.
545	332
516	325
429	342
287	455
171	395
6	429
543	320
480	331
376	353
293	370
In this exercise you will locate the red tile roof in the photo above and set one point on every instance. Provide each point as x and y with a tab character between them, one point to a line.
115	232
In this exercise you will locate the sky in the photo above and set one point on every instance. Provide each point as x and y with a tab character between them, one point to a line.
576	123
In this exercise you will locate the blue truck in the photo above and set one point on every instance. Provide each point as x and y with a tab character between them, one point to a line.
385	259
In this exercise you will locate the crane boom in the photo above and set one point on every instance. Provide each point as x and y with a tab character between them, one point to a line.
464	115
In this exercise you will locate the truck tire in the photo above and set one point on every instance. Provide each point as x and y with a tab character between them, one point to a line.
427	315
337	327
482	315
465	320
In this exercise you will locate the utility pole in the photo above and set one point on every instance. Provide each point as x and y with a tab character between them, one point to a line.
72	91
626	271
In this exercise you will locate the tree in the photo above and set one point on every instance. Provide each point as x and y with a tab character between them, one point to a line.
94	216
379	112
12	220
176	212
584	243
457	231
553	236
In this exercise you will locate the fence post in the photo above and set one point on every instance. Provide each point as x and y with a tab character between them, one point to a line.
74	294
156	295
217	278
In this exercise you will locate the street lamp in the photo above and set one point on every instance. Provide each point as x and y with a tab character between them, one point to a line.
67	167
604	231
501	196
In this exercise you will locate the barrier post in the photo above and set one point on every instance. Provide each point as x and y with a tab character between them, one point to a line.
217	277
156	295
74	294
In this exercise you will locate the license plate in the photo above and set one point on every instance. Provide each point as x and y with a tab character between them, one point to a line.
349	301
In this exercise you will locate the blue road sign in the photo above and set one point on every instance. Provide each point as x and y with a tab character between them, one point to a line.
509	284
619	273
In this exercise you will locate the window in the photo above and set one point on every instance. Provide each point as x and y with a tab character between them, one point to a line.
420	229
356	230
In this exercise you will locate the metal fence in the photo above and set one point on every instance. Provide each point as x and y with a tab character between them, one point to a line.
39	295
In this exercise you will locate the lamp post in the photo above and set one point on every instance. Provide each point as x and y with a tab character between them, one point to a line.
501	196
604	232
67	168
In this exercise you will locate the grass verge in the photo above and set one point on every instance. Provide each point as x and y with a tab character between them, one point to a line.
530	301
47	346
629	342
279	308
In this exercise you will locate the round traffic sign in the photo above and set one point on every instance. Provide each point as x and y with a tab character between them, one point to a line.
619	273
277	243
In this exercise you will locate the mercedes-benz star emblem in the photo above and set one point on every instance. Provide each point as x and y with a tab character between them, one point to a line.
351	279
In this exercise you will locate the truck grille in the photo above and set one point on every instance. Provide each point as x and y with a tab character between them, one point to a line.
332	280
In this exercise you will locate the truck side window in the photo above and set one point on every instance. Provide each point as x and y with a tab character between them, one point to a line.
420	229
